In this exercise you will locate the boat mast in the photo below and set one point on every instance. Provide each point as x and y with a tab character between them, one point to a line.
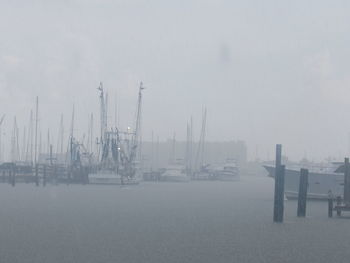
172	153
59	148
200	151
1	121
36	130
157	154
152	152
71	137
136	139
91	132
29	151
48	141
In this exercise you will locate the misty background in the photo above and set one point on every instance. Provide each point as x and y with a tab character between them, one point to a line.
268	71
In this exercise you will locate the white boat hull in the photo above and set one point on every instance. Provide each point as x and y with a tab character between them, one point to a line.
319	183
110	179
174	178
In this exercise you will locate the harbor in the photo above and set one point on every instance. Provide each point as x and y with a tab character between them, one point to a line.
115	156
173	223
174	131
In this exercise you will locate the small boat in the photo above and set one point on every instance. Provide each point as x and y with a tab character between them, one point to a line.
228	172
322	180
205	173
108	177
174	173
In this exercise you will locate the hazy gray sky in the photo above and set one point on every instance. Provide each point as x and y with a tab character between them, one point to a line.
268	71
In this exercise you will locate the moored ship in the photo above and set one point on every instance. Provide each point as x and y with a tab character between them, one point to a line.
321	180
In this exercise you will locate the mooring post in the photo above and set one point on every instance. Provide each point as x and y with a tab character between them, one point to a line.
302	196
338	205
330	203
346	182
279	187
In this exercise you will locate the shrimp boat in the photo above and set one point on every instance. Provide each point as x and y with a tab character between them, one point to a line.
322	180
118	150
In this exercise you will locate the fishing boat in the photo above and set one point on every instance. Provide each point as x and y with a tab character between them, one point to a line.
118	150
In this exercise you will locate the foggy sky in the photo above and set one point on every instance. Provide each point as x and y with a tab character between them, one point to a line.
268	71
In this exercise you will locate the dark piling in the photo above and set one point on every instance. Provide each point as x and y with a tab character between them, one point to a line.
302	196
346	182
330	204
278	210
338	206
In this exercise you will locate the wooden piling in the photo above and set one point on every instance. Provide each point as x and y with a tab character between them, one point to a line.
302	196
346	182
338	205
330	206
278	210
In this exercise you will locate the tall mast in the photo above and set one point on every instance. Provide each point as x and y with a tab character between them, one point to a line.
187	149
136	141
152	152
40	144
204	124
1	149
172	154
116	111
191	147
71	137
103	113
91	132
48	141
200	150
13	142
29	151
36	130
106	113
157	154
72	123
59	148
23	153
18	153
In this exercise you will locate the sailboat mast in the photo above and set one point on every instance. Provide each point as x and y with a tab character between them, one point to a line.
1	149
36	130
91	132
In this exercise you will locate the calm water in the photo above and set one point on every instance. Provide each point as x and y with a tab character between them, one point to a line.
163	222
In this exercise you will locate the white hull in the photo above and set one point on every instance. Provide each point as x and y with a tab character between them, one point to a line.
174	178
110	179
228	172
319	183
174	173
